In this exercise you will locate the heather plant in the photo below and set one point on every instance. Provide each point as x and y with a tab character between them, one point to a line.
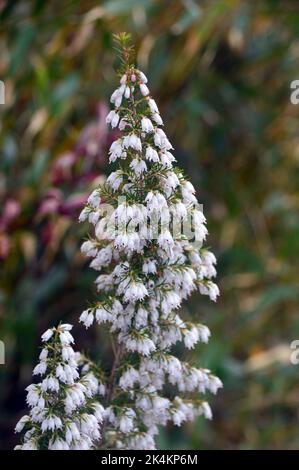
146	271
64	412
147	245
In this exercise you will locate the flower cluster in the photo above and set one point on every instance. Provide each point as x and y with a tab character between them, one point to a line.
148	248
64	410
147	266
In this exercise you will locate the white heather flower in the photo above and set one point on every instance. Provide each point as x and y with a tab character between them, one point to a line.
151	154
135	291
94	199
117	95
165	240
123	124
149	267
142	345
170	182
157	118
126	421
113	119
158	140
65	337
133	141
138	165
153	106
144	89
204	333
174	369
147	125
179	209
166	159
205	409
58	444
200	233
170	301
104	282
160	404
102	315
60	373
99	412
142	76
21	423
114	95
127	92
116	150
40	368
179	417
191	337
118	100
208	257
84	214
123	79
141	318
155	201
122	241
209	289
103	258
93	217
188	193
52	422
188	186
89	248
198	218
67	353
33	395
129	378
214	384
50	383
87	318
43	355
161	140
139	213
115	179
47	335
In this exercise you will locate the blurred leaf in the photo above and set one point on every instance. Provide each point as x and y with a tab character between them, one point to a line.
19	53
120	7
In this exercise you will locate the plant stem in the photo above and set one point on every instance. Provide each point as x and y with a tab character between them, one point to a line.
117	356
110	393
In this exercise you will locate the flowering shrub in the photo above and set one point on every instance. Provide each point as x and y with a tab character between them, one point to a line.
148	265
64	413
146	272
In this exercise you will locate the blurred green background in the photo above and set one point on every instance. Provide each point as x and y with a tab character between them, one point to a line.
221	73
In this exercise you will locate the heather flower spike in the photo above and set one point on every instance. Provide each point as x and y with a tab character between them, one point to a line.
65	413
147	266
147	247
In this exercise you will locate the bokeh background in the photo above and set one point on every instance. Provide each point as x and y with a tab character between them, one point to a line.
221	73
